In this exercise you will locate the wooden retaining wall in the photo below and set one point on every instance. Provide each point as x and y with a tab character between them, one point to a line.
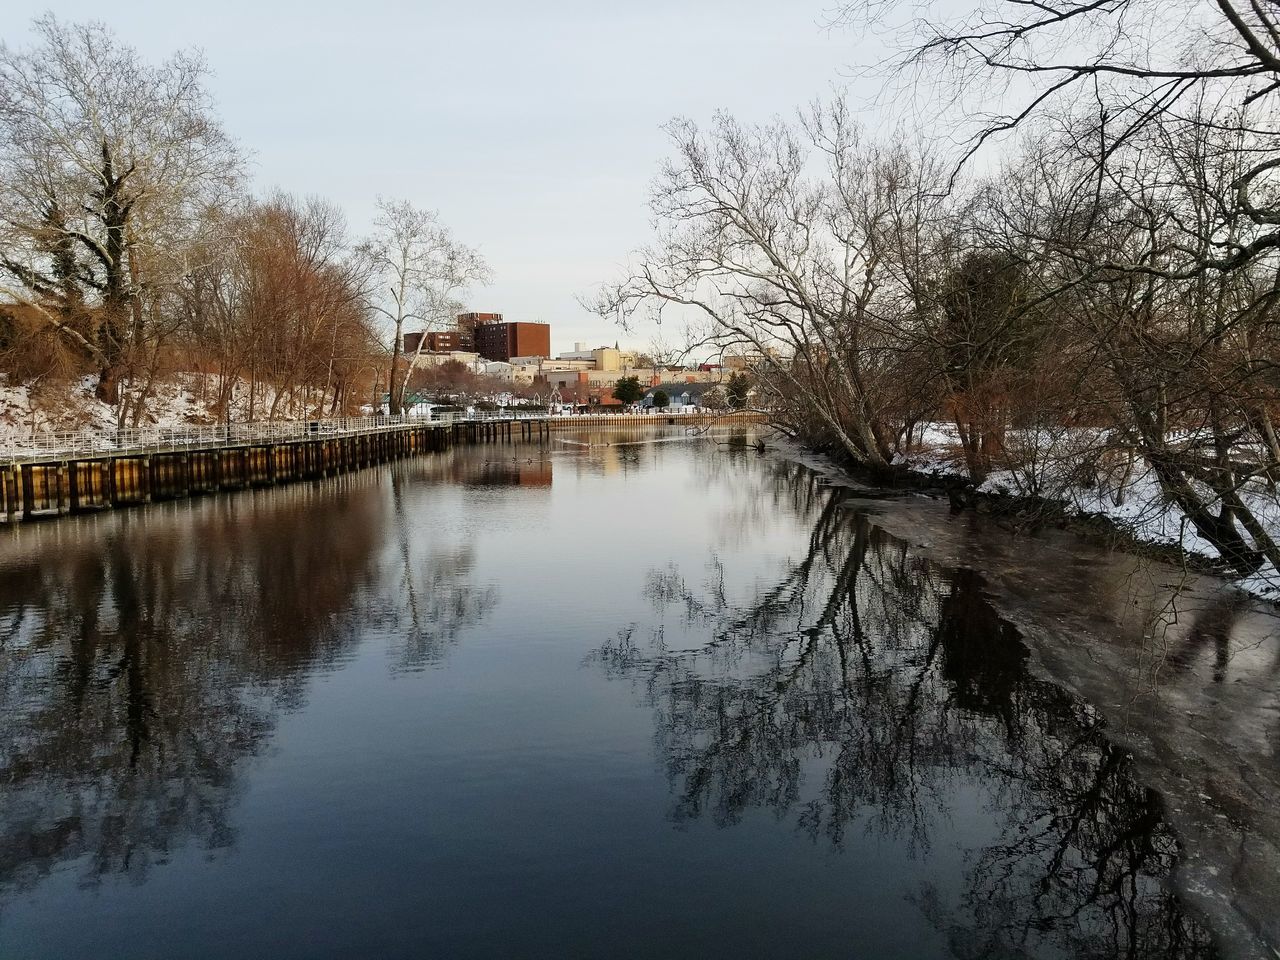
50	488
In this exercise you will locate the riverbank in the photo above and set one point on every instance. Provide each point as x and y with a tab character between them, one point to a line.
75	473
188	402
1126	512
1180	665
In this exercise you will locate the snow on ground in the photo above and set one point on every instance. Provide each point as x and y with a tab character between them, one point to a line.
1128	495
27	411
30	412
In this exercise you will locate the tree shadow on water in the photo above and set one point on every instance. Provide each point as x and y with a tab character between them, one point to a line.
863	692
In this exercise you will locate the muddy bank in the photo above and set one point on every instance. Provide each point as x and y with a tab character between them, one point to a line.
1018	513
1184	668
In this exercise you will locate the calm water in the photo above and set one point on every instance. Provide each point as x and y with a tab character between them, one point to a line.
640	700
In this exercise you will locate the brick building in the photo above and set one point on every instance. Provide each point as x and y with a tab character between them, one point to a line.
503	340
440	341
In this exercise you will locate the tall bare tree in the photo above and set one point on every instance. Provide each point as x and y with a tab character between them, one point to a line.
107	164
419	270
280	306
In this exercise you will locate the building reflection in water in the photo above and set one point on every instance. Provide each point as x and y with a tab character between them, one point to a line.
864	690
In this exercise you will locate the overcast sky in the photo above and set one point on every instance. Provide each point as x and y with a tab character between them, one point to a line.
533	127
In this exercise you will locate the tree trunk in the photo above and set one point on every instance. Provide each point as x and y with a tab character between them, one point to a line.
1219	530
108	388
393	398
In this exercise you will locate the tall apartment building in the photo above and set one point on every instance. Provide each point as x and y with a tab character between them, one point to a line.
503	340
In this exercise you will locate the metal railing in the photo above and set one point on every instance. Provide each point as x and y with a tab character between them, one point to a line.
47	446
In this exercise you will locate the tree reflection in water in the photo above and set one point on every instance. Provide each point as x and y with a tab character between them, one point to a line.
865	690
144	656
436	599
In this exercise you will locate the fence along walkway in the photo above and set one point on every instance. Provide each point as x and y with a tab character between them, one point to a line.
46	446
60	473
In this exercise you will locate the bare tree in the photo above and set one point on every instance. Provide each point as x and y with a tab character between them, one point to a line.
1176	359
418	272
779	236
107	164
279	306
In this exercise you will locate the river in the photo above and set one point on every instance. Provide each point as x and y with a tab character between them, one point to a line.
622	698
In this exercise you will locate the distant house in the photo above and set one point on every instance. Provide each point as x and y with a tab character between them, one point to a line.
682	395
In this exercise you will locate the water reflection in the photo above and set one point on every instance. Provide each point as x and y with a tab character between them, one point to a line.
144	656
861	690
861	721
488	467
1212	628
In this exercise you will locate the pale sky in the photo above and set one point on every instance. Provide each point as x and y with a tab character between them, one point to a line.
532	127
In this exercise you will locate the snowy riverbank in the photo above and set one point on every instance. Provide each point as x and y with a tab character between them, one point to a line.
1128	501
28	412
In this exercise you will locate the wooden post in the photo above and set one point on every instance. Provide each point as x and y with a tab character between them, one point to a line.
28	492
73	487
61	498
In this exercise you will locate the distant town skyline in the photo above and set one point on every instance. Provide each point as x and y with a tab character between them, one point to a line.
533	129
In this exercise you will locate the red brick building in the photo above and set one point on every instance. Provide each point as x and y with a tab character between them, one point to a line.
503	340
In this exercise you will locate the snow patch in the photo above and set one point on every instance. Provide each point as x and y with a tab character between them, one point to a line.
30	412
